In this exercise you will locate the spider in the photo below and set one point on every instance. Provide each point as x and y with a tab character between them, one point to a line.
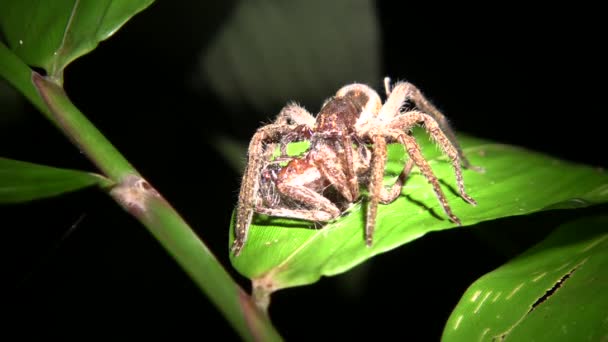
348	140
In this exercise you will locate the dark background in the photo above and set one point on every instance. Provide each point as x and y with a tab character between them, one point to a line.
529	77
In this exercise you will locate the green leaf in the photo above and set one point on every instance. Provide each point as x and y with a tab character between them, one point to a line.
556	291
22	181
51	34
282	253
19	75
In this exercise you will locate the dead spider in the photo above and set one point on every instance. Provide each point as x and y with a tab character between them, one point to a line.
348	140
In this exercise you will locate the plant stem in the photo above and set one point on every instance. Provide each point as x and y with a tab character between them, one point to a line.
81	131
140	199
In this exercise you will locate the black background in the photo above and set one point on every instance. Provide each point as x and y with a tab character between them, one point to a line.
530	77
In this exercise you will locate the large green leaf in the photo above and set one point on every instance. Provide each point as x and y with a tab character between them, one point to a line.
22	181
556	291
51	34
283	253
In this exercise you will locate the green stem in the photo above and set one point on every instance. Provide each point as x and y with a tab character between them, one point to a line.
81	131
48	97
142	201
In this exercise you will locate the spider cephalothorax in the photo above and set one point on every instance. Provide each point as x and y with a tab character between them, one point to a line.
348	141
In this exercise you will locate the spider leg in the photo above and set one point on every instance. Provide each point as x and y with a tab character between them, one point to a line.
377	192
322	208
413	149
406	91
405	121
349	166
388	196
375	184
329	164
295	114
315	215
387	86
299	186
258	155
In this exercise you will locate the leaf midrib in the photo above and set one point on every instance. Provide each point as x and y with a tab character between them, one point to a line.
55	73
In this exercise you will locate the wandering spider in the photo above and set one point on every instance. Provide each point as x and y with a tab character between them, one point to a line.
348	140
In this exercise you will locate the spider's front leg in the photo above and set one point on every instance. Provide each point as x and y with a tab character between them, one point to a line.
258	154
293	123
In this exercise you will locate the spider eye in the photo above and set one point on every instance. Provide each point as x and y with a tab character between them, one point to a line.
407	105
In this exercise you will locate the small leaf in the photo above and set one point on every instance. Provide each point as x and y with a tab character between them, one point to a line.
283	253
51	34
22	181
556	291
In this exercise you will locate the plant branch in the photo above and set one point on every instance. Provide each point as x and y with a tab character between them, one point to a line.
81	131
140	199
148	206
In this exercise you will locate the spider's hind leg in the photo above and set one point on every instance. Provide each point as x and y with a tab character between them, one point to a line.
376	190
389	195
408	91
409	119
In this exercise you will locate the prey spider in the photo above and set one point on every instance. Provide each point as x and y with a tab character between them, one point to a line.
348	140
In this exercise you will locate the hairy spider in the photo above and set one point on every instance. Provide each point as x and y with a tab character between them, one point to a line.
348	140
